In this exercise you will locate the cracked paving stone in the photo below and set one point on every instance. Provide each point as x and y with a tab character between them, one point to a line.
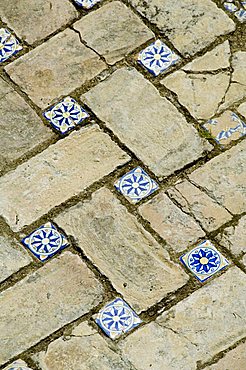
234	359
193	330
55	68
190	25
33	20
44	301
145	122
224	178
138	267
58	173
118	31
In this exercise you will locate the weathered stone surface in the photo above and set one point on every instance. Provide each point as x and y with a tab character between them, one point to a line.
55	68
56	294
33	20
12	257
58	173
118	31
21	129
176	227
193	201
118	245
224	178
190	25
146	122
242	109
234	359
85	349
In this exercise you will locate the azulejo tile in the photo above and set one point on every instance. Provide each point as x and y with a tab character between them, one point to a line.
65	115
236	7
45	241
9	45
87	4
117	318
136	185
157	57
204	260
18	365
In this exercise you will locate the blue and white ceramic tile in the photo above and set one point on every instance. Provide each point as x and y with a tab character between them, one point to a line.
87	4
117	318
136	185
67	114
204	260
9	45
236	7
241	15
157	57
18	365
45	241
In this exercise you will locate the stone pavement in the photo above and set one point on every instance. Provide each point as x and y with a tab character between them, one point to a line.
123	186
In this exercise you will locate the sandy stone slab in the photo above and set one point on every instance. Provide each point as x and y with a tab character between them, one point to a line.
118	31
21	129
242	109
190	25
146	122
117	244
32	20
57	174
56	294
234	359
55	68
176	227
224	178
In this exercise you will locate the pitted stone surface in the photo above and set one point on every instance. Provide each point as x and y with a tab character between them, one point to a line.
234	359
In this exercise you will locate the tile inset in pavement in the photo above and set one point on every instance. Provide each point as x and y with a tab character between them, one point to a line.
87	4
9	45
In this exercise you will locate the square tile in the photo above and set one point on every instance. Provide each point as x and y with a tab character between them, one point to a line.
17	365
230	6
9	45
87	4
204	260
65	115
117	318
157	57
241	15
45	241
136	185
226	127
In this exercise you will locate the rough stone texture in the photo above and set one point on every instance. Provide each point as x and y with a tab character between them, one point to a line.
176	227
58	173
56	294
21	129
242	109
45	76
224	178
85	349
190	25
12	257
193	330
118	31
234	359
146	122
33	20
118	245
193	201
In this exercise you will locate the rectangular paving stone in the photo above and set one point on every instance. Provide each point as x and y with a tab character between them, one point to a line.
190	25
21	129
224	178
146	122
55	68
118	31
56	294
57	174
117	244
234	359
33	20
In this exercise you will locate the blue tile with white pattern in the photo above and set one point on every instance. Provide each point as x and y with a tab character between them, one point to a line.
87	4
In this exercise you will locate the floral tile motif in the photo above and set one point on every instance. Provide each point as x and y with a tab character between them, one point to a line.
136	185
18	365
226	128
204	260
65	115
157	57
9	45
45	241
237	7
87	4
117	318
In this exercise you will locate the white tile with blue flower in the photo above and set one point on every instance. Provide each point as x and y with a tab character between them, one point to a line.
9	45
87	4
117	318
136	185
238	8
204	260
18	365
157	57
45	241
